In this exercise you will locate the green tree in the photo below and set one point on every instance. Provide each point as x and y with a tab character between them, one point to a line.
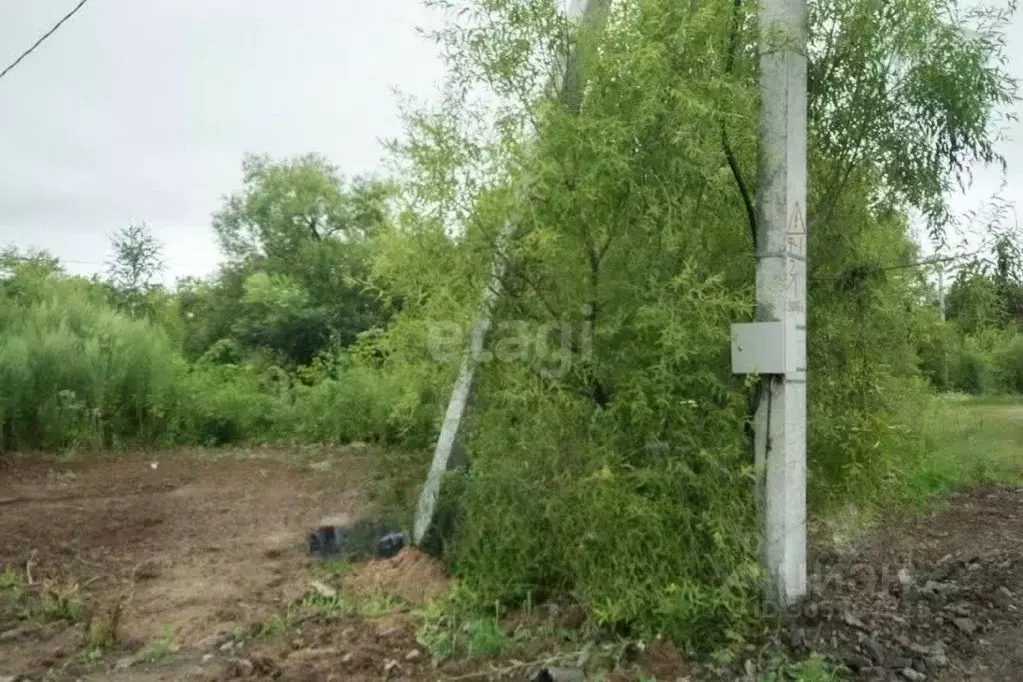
634	234
137	261
300	230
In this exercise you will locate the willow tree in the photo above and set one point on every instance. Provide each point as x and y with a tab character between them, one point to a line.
609	460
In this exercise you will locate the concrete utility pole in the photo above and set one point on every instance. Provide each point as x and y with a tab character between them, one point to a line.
442	455
780	420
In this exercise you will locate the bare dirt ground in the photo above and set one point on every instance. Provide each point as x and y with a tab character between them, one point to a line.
937	597
189	551
192	556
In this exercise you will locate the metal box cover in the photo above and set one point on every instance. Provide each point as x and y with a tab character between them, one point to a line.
765	348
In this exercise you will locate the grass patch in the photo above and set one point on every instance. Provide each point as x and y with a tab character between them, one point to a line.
815	668
968	442
63	604
12	585
333	567
327	607
965	441
162	648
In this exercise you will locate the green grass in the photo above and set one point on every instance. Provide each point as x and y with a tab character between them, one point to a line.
63	604
11	583
968	442
816	668
162	648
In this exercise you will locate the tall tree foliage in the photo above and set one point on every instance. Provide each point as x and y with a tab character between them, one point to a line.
296	239
137	261
608	395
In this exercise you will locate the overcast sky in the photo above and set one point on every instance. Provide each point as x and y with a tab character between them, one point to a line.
142	110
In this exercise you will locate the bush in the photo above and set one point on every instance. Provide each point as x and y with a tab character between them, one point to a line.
972	369
221	404
641	508
363	404
1009	366
75	372
936	355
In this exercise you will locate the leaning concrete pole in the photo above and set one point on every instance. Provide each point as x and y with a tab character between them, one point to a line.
780	420
442	454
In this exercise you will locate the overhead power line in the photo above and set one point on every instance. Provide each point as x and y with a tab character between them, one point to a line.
41	40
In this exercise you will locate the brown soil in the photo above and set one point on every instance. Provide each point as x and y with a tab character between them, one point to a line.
211	548
196	545
411	575
939	596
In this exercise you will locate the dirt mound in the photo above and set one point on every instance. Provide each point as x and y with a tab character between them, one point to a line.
412	575
921	599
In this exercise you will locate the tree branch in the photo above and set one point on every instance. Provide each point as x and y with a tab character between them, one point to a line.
733	162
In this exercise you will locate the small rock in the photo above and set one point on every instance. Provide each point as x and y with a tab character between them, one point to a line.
1002	597
937	661
912	675
148	570
125	663
347	658
965	625
414	655
960	610
391	665
227	646
797	638
934	587
899	662
853	621
207	658
323	590
876	650
905	577
15	634
242	667
857	662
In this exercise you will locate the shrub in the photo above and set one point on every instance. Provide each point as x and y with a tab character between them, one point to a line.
221	404
1009	366
972	368
75	372
640	508
384	405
